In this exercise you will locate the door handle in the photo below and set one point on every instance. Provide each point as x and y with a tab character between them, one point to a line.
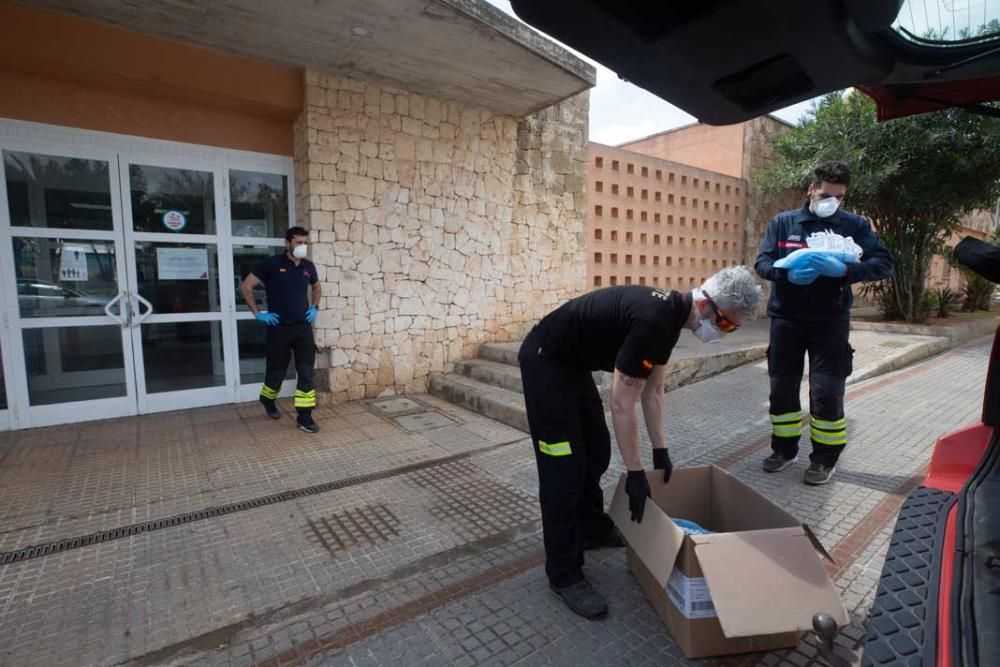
141	316
117	318
127	307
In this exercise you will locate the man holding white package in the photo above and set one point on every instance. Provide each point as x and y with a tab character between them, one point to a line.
813	255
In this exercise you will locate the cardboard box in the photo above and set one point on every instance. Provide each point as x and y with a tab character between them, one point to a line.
752	585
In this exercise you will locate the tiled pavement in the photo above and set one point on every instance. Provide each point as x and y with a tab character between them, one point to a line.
437	563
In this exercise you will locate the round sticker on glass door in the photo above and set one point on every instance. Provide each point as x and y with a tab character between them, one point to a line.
174	221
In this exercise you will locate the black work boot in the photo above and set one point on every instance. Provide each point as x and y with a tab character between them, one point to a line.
612	540
270	408
582	599
306	423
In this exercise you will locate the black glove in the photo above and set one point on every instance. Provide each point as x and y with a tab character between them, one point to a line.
637	488
661	461
980	256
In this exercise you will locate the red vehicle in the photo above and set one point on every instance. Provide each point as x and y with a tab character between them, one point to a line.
726	61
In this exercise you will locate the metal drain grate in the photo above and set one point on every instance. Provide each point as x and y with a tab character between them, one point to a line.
472	503
59	546
366	526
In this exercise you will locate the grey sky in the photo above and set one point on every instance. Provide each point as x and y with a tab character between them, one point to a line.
621	111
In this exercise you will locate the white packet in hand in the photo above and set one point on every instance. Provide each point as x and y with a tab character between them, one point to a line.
850	251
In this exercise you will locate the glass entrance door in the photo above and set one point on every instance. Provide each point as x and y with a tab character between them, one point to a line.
260	210
177	304
120	270
65	287
4	403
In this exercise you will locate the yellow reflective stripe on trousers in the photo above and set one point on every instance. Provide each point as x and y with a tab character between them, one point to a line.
554	449
305	399
825	438
788	425
828	432
267	392
838	425
787	417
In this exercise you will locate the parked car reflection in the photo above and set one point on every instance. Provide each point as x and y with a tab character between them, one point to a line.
41	298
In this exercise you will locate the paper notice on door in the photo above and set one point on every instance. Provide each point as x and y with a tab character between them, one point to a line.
182	263
73	264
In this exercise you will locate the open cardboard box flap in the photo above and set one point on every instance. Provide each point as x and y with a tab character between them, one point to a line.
657	540
766	581
762	569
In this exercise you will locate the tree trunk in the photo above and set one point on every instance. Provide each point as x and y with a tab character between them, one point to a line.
910	238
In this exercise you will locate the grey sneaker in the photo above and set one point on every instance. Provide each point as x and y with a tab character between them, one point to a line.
776	462
582	599
817	474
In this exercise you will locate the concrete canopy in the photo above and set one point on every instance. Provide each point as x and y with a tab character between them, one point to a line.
466	51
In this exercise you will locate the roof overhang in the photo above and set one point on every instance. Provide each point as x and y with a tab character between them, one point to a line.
465	51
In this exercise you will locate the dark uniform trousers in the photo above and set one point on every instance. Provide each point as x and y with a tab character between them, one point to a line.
572	450
281	342
830	362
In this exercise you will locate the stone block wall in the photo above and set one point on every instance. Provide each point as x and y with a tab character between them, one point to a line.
759	138
434	227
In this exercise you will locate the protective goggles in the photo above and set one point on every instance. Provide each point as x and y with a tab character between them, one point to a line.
725	324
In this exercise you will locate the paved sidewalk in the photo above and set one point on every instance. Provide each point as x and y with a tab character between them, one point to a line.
877	351
407	532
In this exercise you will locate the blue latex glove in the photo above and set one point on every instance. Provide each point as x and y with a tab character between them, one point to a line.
690	527
311	314
828	265
798	259
270	319
803	275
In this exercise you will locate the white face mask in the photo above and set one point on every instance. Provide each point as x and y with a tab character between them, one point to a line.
824	208
299	251
707	332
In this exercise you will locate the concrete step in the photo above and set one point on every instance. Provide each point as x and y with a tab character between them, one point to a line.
501	353
500	375
491	385
502	405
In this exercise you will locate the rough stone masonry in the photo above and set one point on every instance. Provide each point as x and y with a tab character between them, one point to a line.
435	227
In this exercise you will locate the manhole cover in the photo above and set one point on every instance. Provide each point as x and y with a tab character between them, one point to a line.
361	527
393	407
423	421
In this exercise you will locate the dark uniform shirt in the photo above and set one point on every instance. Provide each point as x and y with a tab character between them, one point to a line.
825	298
287	286
630	327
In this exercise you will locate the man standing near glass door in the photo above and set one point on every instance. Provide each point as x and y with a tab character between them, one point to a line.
293	290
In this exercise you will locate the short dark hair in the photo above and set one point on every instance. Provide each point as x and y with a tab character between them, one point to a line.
295	231
832	171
